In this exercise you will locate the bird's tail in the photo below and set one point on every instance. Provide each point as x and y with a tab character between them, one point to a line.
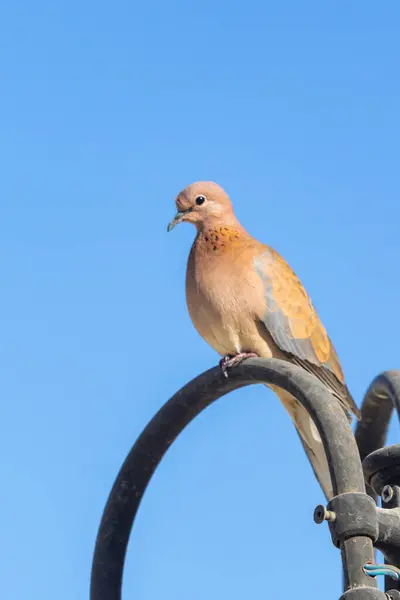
310	439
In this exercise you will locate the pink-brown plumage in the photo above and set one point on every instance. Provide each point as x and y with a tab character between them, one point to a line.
244	298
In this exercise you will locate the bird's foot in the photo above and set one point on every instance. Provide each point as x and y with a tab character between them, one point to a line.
230	361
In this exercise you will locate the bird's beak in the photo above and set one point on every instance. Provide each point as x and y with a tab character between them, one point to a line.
178	218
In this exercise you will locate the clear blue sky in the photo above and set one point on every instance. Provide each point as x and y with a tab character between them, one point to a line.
107	111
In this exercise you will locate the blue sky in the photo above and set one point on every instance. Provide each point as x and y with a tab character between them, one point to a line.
107	111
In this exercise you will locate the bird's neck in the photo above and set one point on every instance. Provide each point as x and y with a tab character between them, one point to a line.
220	237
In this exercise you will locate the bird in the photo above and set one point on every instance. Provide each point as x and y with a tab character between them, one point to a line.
245	300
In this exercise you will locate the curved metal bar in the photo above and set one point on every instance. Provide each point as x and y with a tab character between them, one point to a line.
158	435
382	396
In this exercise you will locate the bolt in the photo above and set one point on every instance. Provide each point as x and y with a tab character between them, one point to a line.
387	493
321	514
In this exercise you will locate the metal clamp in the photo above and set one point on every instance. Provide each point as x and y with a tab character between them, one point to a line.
364	593
349	515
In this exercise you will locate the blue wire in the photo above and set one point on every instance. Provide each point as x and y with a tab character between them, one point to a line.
386	570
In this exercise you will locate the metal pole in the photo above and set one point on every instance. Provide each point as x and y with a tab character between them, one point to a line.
381	398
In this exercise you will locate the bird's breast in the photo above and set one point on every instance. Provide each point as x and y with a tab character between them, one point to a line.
212	283
220	289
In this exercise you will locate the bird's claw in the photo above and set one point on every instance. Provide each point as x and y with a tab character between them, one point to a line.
223	363
230	361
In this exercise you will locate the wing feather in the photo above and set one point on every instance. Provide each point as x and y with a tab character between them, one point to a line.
292	321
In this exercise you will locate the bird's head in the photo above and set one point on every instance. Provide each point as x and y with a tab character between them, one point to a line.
202	202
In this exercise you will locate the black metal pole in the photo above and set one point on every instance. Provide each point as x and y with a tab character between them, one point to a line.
381	398
147	452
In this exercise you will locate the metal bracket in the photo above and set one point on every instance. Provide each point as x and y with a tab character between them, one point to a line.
355	515
364	593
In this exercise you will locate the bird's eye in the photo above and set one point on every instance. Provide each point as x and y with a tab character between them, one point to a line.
200	200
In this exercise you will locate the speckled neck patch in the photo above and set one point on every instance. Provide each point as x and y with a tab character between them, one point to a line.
217	238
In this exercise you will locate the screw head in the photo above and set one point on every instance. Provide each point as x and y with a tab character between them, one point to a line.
319	514
387	493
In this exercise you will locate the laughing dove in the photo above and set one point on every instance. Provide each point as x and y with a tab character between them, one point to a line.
245	300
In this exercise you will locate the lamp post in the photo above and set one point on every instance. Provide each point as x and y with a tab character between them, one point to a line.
355	523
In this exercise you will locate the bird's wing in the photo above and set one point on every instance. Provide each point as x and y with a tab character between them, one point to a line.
292	322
